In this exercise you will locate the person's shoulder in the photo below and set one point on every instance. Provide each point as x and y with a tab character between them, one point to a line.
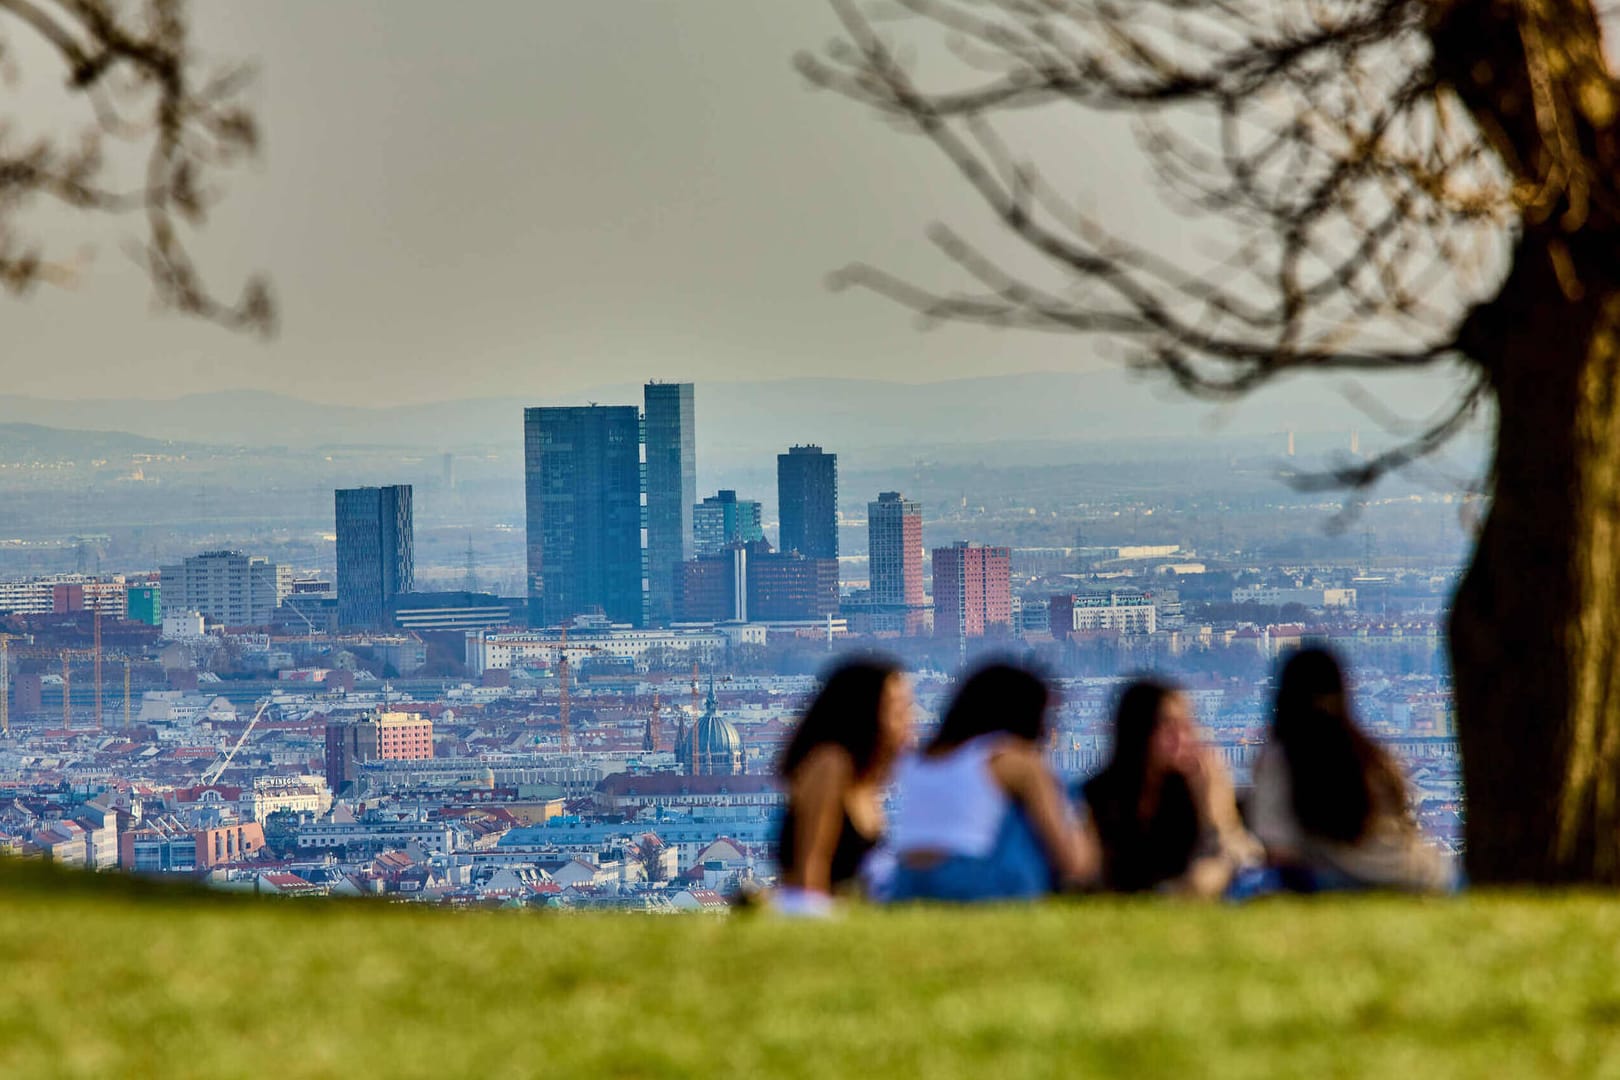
826	759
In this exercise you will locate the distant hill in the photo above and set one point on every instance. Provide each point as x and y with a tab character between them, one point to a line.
743	421
34	442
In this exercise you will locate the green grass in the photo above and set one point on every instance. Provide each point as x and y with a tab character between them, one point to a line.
105	978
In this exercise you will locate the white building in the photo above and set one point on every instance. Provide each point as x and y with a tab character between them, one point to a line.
1273	596
544	648
226	586
1122	611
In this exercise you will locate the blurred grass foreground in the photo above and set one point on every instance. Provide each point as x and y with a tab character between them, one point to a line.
107	976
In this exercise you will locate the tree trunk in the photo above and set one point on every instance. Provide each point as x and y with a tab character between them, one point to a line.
1535	624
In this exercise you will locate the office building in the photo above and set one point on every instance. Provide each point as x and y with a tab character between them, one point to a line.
671	485
972	590
582	497
375	552
752	583
807	501
448	611
382	736
227	587
722	520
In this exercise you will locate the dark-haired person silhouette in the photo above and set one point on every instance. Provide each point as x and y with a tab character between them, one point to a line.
979	815
1162	810
834	767
1329	804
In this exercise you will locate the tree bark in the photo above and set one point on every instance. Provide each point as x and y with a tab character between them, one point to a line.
1535	624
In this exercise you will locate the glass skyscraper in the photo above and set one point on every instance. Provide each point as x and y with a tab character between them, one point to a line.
722	520
582	496
671	491
807	501
376	558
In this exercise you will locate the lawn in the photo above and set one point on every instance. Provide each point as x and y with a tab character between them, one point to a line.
109	979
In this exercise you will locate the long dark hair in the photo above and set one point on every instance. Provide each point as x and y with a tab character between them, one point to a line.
1140	854
1339	777
1136	719
999	698
843	713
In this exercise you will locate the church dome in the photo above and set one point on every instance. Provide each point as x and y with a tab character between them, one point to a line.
712	746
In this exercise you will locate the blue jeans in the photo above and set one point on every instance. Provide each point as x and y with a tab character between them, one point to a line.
1016	868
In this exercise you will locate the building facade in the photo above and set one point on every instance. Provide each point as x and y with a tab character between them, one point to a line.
382	736
228	587
894	537
375	552
582	496
671	490
807	501
542	648
972	590
721	520
1121	611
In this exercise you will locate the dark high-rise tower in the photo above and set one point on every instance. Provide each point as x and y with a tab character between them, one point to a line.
375	552
671	491
582	496
807	501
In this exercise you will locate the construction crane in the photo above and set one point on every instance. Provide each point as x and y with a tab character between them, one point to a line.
219	770
95	621
126	693
562	692
5	681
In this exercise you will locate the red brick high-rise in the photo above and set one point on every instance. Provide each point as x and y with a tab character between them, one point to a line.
972	590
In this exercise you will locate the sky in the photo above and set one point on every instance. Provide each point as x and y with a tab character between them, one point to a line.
519	197
530	198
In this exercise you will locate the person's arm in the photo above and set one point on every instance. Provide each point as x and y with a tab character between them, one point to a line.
1022	773
1225	845
817	791
1271	810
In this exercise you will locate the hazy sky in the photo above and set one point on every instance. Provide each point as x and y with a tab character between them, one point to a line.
529	197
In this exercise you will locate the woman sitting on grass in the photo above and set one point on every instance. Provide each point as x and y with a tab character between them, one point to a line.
834	766
979	814
1162	811
1329	804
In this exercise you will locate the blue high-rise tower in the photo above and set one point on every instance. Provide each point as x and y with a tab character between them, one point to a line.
375	552
582	495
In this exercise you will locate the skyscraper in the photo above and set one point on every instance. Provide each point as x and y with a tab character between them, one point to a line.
807	501
894	532
375	552
582	497
671	491
972	590
722	520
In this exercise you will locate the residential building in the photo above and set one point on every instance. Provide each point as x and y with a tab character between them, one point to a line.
228	587
671	487
722	520
381	736
1123	611
807	501
582	494
972	590
375	552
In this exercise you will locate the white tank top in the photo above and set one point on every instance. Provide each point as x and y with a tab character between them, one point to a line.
949	804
